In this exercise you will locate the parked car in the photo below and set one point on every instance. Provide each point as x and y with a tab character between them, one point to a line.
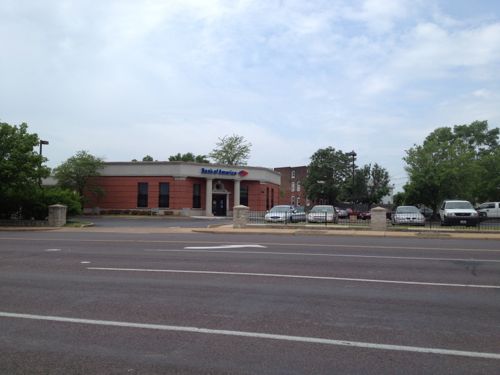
426	211
298	214
341	213
322	213
281	213
364	215
489	210
407	215
458	212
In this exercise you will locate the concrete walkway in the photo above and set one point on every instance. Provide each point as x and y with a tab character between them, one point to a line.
283	230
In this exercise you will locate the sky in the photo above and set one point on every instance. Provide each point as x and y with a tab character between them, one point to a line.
124	79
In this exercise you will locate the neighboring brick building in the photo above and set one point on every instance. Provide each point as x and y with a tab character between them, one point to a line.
292	186
183	188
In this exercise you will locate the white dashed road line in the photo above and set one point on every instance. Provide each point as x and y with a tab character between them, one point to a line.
295	277
301	339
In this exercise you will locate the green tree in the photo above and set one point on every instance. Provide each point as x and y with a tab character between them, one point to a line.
189	157
21	169
453	163
76	174
231	150
147	158
328	176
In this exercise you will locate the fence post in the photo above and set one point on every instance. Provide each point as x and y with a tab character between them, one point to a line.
57	215
240	216
378	219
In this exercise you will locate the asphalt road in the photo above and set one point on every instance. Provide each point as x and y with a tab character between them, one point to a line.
102	303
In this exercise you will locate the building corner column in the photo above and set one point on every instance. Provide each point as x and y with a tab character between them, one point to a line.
236	193
208	197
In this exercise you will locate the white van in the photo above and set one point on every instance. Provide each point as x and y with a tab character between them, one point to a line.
489	210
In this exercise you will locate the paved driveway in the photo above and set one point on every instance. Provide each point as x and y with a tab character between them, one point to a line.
155	221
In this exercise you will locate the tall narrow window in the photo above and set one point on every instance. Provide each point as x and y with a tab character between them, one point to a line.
142	194
272	197
164	197
293	174
298	185
293	186
244	195
197	196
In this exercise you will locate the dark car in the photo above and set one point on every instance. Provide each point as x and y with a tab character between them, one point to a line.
298	214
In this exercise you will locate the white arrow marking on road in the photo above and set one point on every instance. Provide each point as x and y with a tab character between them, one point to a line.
303	339
223	247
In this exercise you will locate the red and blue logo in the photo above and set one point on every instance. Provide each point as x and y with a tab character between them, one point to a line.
243	173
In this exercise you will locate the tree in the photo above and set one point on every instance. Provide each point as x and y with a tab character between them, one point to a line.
231	150
21	169
189	157
76	172
147	158
329	172
460	162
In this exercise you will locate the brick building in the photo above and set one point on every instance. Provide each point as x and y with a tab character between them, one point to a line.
183	188
291	189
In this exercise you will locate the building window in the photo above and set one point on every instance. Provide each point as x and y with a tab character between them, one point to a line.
196	195
272	197
293	174
244	195
298	185
142	194
164	198
298	201
267	199
293	200
293	187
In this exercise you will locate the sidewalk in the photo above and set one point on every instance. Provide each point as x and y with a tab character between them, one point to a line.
254	230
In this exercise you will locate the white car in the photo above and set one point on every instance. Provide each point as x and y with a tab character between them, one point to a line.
489	210
458	212
407	215
322	214
279	214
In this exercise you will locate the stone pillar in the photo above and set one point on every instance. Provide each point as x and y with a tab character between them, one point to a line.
208	198
236	193
240	216
378	219
57	215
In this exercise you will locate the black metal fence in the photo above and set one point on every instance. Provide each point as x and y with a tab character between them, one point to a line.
394	222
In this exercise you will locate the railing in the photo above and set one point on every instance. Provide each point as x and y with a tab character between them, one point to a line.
394	222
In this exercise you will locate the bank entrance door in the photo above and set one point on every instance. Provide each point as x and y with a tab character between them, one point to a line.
219	206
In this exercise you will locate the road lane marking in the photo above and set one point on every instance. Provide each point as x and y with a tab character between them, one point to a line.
242	246
52	250
295	277
268	336
262	243
195	250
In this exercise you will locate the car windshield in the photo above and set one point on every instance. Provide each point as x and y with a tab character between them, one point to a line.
407	210
299	209
322	209
459	205
280	209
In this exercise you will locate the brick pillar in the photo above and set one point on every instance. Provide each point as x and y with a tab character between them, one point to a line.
240	216
378	219
57	215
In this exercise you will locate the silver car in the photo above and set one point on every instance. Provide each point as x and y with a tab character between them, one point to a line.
409	215
322	214
279	214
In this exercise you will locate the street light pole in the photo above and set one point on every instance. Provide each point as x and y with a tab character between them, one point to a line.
353	154
42	143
